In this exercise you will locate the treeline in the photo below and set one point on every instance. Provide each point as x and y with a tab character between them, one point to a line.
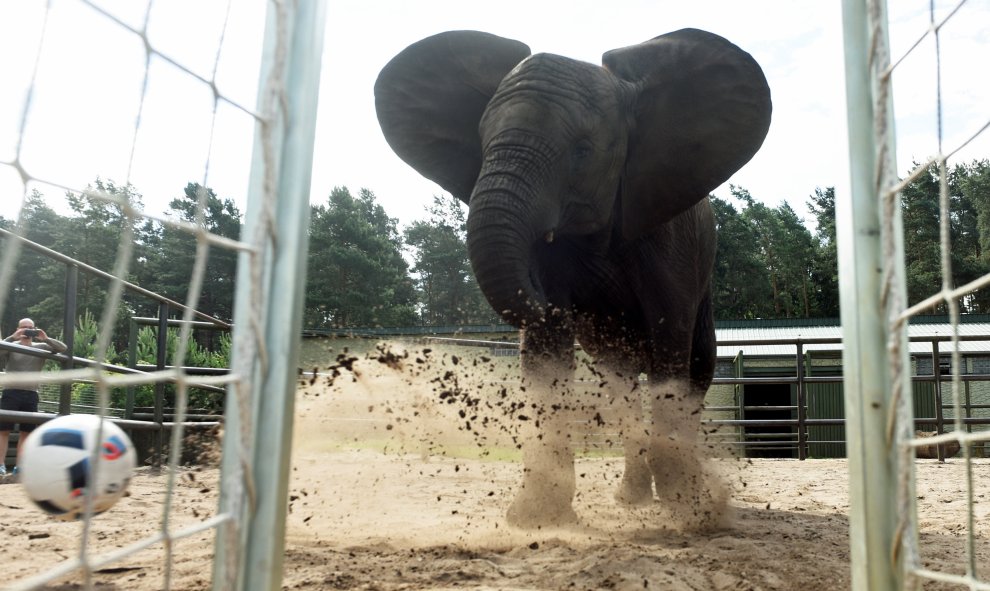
770	265
162	257
363	270
358	275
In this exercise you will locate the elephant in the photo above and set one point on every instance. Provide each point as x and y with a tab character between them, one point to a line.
589	221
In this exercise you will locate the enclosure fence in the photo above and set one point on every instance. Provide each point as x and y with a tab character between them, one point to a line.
58	124
885	549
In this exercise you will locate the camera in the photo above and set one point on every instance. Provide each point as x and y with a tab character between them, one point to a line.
30	332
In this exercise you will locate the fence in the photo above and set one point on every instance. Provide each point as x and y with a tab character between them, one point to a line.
66	398
811	430
797	429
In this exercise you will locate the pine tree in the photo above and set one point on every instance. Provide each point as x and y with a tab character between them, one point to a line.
448	291
356	275
825	263
171	271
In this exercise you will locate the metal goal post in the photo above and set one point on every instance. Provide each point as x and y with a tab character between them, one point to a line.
885	551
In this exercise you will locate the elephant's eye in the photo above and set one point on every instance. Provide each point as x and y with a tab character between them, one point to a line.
582	150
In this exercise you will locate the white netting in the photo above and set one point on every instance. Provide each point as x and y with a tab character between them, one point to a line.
106	100
941	121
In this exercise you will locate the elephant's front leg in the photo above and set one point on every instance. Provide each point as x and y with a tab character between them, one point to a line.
547	490
625	398
696	495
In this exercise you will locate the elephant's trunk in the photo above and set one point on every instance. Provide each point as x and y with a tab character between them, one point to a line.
504	222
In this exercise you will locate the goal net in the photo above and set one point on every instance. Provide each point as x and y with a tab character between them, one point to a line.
110	109
904	70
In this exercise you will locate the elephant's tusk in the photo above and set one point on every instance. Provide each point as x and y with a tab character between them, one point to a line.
549	237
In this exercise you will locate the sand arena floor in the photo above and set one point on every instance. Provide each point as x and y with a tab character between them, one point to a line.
372	508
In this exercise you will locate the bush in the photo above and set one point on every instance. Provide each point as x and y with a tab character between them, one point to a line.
195	356
146	352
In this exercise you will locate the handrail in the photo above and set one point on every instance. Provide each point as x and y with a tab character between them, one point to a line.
63	358
838	340
37	418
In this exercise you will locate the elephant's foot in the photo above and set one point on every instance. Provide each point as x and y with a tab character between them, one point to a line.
526	515
544	499
637	483
548	484
696	496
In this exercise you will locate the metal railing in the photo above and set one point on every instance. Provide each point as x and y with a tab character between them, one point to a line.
64	359
798	440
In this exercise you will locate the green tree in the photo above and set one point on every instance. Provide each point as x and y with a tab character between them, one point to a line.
974	186
741	282
966	190
766	229
146	352
920	211
784	247
448	291
795	245
825	262
38	285
356	274
169	268
86	337
764	262
94	233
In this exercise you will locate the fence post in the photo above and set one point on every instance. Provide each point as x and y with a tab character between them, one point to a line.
802	405
937	390
969	405
158	436
132	335
68	334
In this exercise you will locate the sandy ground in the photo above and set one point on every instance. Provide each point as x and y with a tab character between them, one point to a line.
386	516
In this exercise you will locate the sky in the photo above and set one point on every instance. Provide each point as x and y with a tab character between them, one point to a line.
90	74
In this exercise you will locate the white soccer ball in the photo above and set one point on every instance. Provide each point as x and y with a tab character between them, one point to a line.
56	465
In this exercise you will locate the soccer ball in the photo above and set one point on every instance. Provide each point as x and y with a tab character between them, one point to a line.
56	465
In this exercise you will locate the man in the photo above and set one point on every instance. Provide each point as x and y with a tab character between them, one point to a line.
23	396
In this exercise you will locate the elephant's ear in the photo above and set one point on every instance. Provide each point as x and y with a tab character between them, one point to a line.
702	111
430	99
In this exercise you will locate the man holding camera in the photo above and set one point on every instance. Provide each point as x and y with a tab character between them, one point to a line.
23	395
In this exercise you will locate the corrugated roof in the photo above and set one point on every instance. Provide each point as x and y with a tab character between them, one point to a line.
772	347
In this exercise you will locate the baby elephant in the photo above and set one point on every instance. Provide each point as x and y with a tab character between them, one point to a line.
589	220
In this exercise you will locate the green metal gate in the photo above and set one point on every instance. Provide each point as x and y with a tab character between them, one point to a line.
767	441
825	401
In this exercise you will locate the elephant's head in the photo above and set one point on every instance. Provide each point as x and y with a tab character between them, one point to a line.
544	147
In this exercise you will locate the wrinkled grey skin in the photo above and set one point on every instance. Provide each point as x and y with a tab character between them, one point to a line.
589	220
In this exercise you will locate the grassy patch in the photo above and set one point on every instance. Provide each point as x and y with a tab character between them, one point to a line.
467	452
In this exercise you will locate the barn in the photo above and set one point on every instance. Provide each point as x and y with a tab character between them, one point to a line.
768	370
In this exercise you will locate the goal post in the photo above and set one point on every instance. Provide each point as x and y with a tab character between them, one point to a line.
872	287
268	304
886	549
